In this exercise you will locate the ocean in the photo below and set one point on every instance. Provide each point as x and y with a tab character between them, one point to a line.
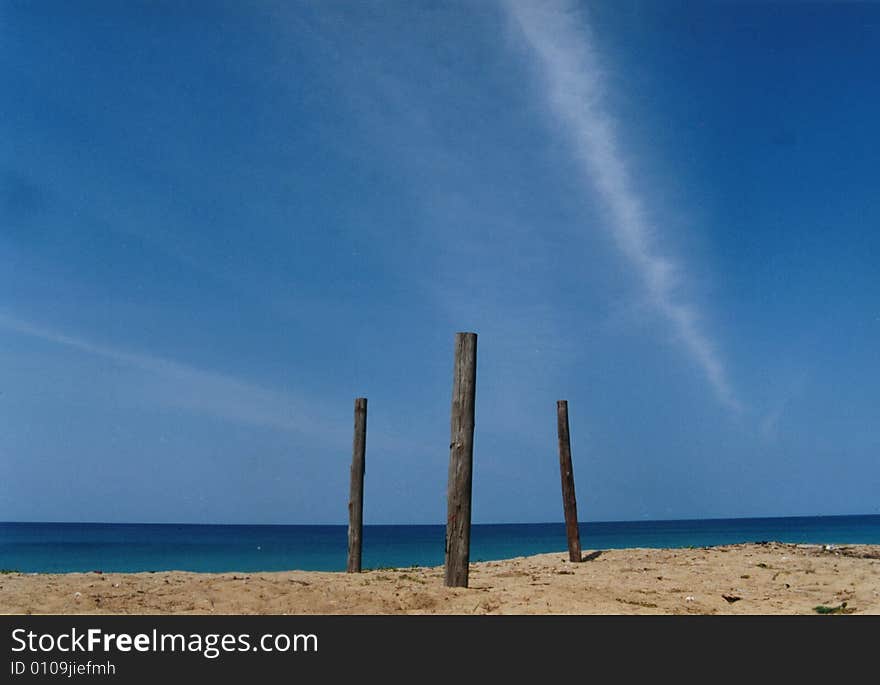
112	547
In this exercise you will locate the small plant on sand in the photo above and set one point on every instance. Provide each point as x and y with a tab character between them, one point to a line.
7	571
840	609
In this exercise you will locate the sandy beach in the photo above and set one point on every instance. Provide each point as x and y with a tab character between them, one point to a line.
760	578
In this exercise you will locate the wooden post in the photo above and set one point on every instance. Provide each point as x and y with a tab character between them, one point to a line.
356	494
569	502
461	457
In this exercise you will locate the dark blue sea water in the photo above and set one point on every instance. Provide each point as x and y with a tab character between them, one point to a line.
61	547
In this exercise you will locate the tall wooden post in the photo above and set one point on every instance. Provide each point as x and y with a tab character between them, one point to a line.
356	494
569	502
461	457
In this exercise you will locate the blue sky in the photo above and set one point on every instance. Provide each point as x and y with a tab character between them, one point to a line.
220	222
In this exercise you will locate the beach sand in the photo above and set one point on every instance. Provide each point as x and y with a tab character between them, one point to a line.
761	578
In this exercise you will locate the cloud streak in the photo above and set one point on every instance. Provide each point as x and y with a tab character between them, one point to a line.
572	76
181	386
171	384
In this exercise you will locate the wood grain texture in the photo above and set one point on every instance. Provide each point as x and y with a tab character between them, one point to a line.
461	455
569	501
356	493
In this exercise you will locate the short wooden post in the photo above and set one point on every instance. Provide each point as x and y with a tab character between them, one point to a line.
461	457
356	494
569	502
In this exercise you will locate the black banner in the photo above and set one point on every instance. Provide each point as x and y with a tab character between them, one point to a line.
153	648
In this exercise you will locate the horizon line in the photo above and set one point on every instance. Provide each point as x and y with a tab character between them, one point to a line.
500	523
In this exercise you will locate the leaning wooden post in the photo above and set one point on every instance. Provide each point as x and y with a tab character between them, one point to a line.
461	457
569	502
356	494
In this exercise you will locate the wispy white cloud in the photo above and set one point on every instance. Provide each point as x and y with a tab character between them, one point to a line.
787	392
559	37
175	385
189	388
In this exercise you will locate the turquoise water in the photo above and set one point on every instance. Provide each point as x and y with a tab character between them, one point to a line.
61	547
